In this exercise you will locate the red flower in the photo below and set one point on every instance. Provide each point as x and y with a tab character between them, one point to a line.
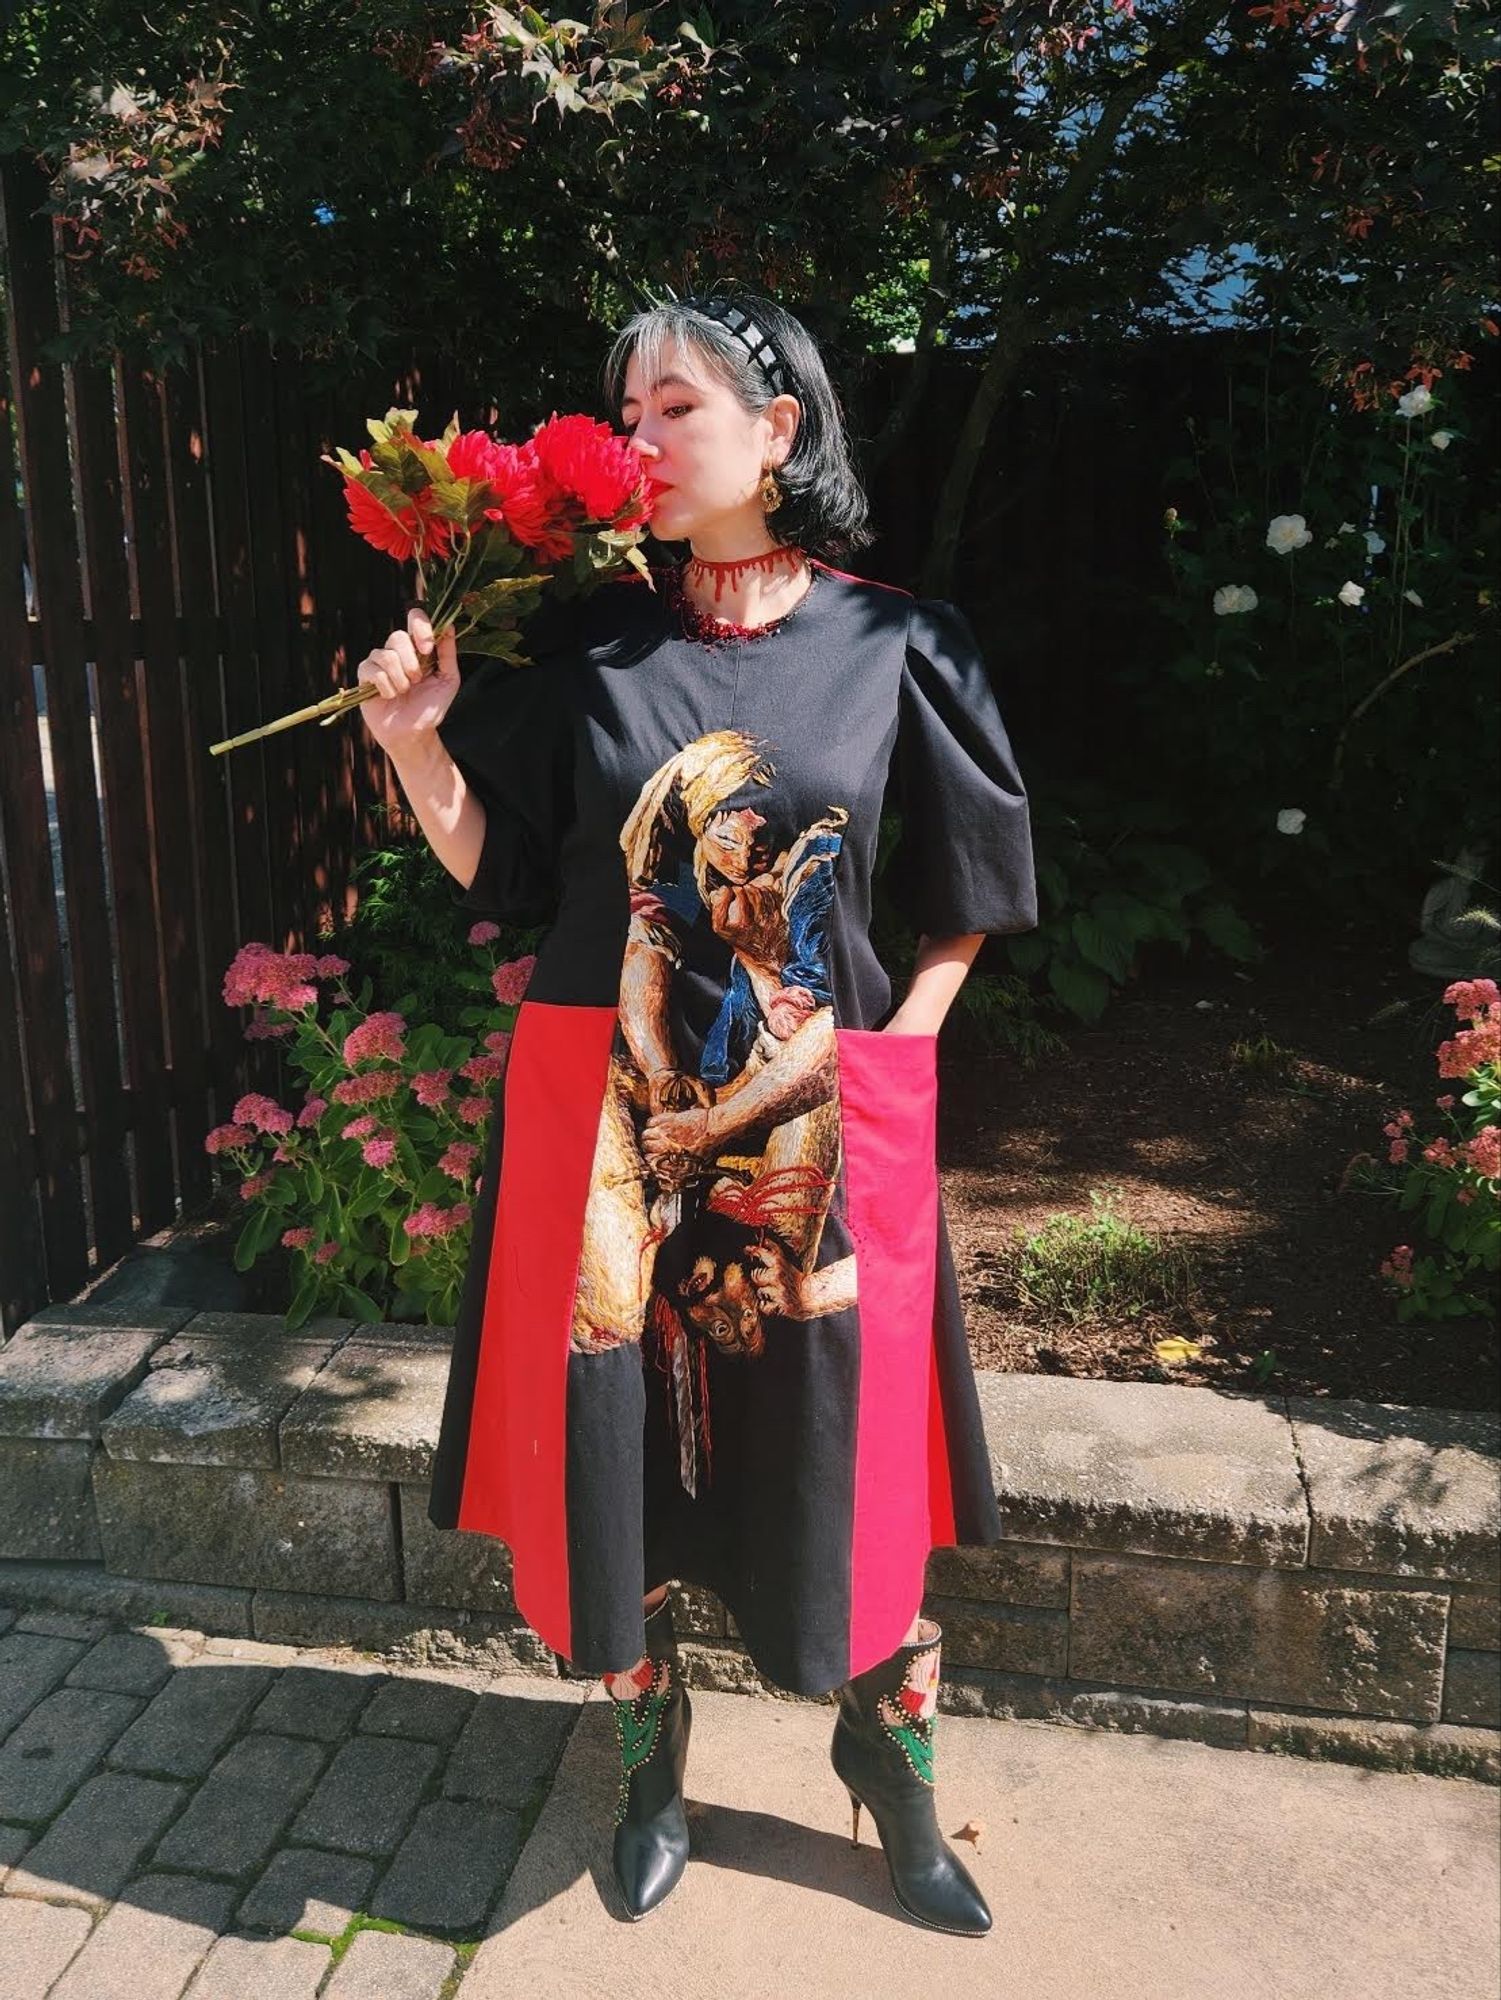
412	530
593	466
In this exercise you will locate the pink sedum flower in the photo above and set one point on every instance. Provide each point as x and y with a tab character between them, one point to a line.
1483	1152
229	1139
312	1110
326	1253
297	1239
430	1087
458	1161
510	980
263	1112
1471	998
472	1110
484	932
379	1151
379	1036
369	1087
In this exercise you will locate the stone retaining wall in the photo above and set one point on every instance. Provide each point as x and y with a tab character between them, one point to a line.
1249	1570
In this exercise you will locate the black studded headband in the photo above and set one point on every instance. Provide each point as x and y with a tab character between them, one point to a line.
756	343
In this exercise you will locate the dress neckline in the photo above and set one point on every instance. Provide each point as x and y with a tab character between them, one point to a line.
706	630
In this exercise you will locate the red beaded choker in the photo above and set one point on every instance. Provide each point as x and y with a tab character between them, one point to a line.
731	572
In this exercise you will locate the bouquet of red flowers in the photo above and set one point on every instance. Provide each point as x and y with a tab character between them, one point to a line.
489	526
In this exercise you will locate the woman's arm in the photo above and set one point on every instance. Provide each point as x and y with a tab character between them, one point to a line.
942	966
451	817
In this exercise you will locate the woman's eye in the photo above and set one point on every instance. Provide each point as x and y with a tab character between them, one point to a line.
627	429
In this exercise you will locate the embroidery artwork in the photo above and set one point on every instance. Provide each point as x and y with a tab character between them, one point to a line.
638	1698
715	1165
907	1716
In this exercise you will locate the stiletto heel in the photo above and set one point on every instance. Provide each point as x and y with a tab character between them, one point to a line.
653	1718
883	1741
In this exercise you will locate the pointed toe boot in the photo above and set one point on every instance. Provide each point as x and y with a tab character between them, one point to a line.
652	1720
883	1750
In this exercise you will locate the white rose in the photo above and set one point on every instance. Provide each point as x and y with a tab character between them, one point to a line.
1441	440
1416	401
1291	819
1413	598
1351	593
1233	597
1374	543
1286	532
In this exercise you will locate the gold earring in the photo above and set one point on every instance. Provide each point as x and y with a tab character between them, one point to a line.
771	493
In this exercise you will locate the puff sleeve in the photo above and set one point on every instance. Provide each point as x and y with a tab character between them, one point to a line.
509	731
964	859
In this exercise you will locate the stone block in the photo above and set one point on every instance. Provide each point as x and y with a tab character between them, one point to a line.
1145	1467
215	1399
1475	1621
317	1702
47	1500
240	1968
276	1530
149	1945
367	1795
428	1711
1411	1492
1015	1638
1004	1573
726	1669
308	1889
184	1729
30	1667
129	1663
94	1846
47	1624
54	1749
371	1413
1439	1749
1257	1635
451	1868
61	1377
235	1816
696	1610
244	1328
36	1942
415	1634
1026	1697
510	1746
1472	1688
449	1566
204	1607
384	1965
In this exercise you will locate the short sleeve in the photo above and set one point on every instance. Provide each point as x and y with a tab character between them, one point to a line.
509	732
964	860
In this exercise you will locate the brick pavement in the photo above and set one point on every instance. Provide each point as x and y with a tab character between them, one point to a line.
191	1818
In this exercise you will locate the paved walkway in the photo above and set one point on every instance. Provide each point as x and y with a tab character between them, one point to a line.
222	1820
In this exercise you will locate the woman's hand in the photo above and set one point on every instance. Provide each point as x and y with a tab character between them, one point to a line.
417	682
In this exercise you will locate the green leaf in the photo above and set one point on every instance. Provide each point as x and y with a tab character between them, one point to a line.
400	1244
1099	945
1082	990
1227	931
1029	952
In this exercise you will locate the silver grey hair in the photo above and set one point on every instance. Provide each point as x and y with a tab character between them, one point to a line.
824	509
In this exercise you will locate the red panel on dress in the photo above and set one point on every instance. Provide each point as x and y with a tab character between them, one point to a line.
888	1094
514	1480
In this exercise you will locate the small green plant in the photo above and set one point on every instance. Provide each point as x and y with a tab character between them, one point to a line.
1454	1183
1075	1267
1263	1058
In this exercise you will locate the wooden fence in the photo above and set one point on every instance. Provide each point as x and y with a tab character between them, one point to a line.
175	566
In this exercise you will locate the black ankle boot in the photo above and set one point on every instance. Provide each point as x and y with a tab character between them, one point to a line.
883	1750
651	1728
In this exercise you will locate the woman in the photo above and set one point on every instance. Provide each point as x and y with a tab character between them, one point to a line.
711	1329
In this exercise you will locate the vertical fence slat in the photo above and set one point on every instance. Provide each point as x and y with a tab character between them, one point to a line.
245	768
28	933
272	622
46	472
203	688
137	942
166	753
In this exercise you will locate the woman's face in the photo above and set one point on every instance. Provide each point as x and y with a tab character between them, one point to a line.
703	447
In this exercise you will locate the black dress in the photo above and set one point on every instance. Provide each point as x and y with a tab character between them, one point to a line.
710	1329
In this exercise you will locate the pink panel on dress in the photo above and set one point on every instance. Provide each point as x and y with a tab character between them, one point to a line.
515	1469
888	1087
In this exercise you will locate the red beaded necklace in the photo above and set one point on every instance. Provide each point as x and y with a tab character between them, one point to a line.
703	625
